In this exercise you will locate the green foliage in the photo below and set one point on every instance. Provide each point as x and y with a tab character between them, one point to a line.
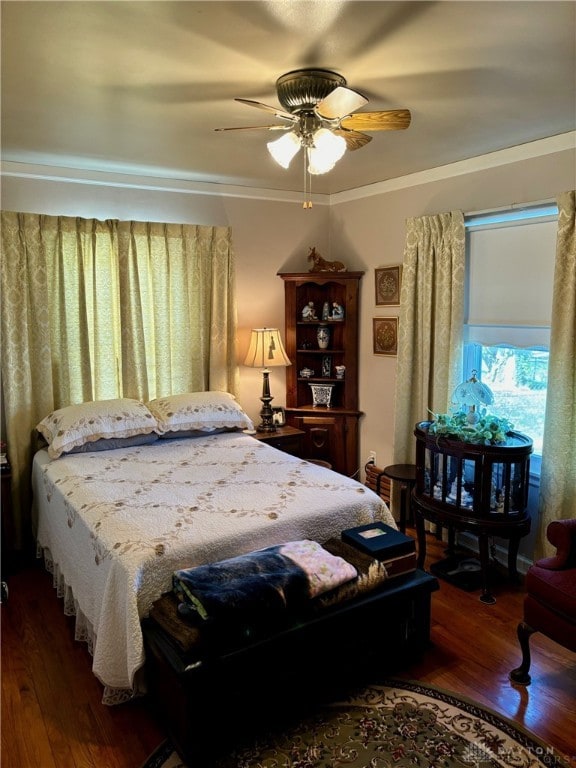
488	429
531	369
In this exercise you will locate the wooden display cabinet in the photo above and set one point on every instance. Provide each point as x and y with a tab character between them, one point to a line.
481	489
330	429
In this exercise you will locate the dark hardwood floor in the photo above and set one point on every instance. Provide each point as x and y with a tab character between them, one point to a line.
52	716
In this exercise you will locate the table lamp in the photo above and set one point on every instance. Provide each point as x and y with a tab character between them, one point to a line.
266	350
472	393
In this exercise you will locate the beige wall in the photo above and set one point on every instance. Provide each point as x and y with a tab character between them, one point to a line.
365	231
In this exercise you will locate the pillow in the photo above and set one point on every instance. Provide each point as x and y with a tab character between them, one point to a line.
193	433
73	426
205	411
111	443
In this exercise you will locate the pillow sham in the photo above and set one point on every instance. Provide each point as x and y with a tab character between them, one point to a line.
204	411
76	425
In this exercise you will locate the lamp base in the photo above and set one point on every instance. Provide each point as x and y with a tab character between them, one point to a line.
266	428
266	414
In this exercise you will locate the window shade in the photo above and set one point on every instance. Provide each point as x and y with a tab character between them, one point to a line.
511	272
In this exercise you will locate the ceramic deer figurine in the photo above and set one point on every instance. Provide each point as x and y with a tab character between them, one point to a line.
319	264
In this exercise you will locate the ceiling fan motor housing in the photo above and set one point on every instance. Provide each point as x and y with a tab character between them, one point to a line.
301	89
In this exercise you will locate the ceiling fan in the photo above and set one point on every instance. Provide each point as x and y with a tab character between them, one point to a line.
317	114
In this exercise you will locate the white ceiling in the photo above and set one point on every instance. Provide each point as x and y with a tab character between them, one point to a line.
138	87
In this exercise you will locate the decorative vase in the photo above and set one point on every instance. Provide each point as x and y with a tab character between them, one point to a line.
321	394
323	336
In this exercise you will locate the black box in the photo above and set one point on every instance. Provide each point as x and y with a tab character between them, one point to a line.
380	540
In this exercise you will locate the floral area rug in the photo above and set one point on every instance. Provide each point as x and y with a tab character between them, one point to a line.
400	723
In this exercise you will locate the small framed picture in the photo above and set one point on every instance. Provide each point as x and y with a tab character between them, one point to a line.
385	333
278	416
387	281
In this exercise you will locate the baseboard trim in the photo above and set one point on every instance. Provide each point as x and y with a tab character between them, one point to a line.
469	541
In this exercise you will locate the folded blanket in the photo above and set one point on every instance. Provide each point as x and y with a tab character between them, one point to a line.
196	638
371	573
262	584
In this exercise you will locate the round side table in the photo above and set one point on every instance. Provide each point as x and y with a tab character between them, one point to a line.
405	474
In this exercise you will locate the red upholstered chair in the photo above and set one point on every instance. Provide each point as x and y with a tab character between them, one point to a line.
550	602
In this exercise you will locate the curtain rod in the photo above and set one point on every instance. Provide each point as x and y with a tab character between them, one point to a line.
511	207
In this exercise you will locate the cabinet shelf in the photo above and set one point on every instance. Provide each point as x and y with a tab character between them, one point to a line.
320	380
312	323
322	410
320	351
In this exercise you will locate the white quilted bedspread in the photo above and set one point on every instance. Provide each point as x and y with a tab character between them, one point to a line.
116	524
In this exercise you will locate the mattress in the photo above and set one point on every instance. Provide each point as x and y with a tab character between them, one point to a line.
114	525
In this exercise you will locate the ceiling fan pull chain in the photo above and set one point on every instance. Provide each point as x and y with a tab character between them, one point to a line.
307	202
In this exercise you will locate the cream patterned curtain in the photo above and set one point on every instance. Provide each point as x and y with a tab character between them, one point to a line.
558	473
93	310
430	324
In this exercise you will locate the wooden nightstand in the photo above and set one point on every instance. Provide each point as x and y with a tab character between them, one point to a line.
287	439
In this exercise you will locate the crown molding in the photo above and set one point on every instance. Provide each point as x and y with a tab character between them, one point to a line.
539	148
91	177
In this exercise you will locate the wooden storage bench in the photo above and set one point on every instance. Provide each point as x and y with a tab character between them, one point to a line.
285	671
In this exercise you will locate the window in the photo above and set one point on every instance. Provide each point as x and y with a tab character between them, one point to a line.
510	269
518	379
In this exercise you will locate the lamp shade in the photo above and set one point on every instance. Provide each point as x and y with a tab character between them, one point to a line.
266	349
284	148
325	152
472	393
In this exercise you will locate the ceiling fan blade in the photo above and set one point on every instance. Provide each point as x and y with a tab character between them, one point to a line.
390	120
339	102
353	139
274	110
257	128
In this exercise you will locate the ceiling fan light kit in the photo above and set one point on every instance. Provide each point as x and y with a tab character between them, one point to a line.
284	148
326	150
317	113
323	149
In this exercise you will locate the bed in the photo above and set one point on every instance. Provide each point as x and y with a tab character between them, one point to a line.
113	525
